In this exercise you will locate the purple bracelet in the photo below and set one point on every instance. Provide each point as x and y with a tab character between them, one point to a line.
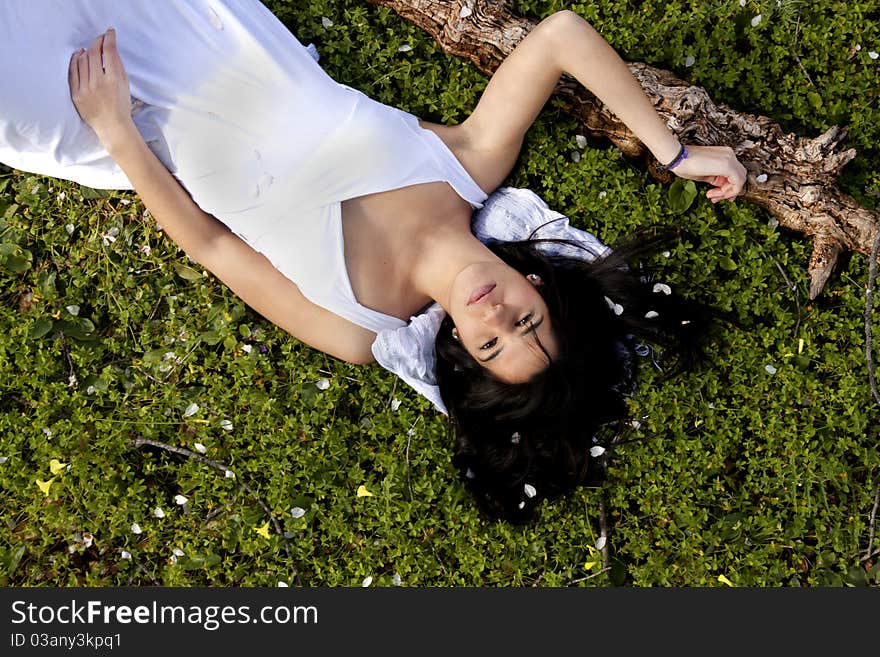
682	155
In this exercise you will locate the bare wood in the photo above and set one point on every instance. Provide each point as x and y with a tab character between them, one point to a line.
801	189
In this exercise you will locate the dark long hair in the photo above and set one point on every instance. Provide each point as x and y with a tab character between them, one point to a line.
516	444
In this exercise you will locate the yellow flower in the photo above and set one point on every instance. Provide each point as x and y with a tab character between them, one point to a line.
44	485
56	467
724	580
363	492
263	531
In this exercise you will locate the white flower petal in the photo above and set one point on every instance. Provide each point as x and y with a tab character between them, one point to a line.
470	474
742	3
69	228
323	384
180	499
125	554
603	194
581	141
756	20
465	11
596	450
761	178
615	307
177	552
521	505
246	348
367	581
873	54
404	48
192	409
651	314
90	390
690	61
229	474
326	22
136	528
297	512
515	438
158	512
395	404
3	459
48	432
770	369
226	425
530	490
201	449
72	309
575	157
662	287
600	542
282	585
666	254
395	579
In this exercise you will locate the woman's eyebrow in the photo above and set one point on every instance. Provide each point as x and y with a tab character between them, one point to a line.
531	328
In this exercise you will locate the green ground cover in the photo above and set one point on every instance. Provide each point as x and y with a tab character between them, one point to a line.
761	468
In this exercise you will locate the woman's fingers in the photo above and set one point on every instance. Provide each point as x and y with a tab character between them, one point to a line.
96	68
82	65
112	63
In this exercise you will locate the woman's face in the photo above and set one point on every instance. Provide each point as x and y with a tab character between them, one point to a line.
502	320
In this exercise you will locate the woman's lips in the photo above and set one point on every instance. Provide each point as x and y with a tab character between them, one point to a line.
480	293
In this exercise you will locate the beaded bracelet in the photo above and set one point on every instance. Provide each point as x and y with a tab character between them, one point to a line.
682	155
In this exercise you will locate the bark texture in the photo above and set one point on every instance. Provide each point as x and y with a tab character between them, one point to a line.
794	178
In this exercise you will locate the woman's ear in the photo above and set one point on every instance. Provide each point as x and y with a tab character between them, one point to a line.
534	279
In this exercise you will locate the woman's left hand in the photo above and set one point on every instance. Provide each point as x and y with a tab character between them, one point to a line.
99	87
716	165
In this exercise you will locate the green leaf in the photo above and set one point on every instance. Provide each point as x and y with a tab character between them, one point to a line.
41	327
727	264
92	194
78	329
681	195
188	273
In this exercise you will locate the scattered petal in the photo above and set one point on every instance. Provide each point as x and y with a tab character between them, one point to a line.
158	512
662	287
465	11
395	579
761	177
470	474
724	580
263	530
575	157
297	512
756	20
666	254
229	474
201	449
180	499
56	466
177	552
615	307
326	22
685	322
515	438
48	432
3	459
90	390
770	369
404	48
651	314
69	228
596	450
530	490
395	404
367	581
600	542
247	348
603	194
742	3
690	61
226	425
125	554
44	485
873	54
282	585
72	309
521	505
363	492
136	528
71	381
772	223
635	424
323	384
581	141
192	409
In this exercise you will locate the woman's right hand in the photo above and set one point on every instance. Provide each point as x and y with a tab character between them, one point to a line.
99	88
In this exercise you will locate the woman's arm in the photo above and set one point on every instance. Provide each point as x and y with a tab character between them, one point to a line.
101	95
565	43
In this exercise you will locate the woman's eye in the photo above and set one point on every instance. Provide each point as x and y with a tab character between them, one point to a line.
525	320
490	344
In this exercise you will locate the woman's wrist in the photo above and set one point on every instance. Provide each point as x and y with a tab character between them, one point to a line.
118	136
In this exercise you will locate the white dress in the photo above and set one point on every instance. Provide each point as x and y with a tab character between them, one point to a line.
237	109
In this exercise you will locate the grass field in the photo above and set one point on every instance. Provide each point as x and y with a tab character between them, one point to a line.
758	470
